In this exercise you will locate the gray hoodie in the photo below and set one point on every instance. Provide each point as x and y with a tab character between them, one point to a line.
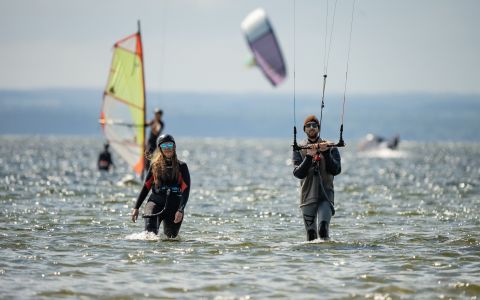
316	174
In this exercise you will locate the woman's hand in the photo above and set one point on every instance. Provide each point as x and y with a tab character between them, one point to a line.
178	217
134	215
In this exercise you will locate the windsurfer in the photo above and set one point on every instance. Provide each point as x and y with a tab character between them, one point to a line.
156	127
105	161
169	180
316	168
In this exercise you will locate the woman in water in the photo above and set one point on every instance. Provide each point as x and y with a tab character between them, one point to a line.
169	180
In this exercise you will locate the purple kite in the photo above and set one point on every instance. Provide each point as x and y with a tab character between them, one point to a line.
263	43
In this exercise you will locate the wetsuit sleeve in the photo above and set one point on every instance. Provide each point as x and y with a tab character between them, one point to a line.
162	125
333	161
186	193
301	167
147	185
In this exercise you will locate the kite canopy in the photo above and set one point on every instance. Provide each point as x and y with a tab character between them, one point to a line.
264	46
123	111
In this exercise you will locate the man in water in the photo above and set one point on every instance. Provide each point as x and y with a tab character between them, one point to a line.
105	159
316	168
156	127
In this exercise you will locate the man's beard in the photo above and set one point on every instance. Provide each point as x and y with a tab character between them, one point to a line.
313	136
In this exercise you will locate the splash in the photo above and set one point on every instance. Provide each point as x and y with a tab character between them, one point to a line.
385	153
150	236
143	236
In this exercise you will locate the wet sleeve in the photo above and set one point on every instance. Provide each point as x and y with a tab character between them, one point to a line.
186	193
301	166
162	125
333	161
147	185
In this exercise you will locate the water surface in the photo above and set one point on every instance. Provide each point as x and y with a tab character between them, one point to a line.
407	225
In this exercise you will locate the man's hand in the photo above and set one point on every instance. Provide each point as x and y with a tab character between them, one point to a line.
312	151
178	217
323	146
134	215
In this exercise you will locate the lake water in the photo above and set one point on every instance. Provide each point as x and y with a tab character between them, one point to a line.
407	225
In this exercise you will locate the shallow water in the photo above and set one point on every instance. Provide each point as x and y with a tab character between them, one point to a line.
407	225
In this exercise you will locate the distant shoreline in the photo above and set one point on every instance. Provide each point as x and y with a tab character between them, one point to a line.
414	116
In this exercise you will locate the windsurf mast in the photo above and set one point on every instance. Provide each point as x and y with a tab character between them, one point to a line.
144	99
123	110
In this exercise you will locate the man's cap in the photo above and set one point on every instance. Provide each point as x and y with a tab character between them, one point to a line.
158	111
309	119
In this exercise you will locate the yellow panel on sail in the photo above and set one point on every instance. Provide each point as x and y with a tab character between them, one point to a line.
123	113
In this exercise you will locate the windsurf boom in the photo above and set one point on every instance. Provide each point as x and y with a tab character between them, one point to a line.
123	110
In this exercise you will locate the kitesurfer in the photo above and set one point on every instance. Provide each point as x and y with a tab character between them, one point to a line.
316	167
105	161
169	180
376	142
156	127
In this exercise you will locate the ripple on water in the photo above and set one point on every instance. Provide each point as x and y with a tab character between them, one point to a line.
406	226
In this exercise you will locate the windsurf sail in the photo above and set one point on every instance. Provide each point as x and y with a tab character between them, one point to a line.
264	46
123	110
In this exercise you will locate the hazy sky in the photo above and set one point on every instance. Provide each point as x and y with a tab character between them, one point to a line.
197	45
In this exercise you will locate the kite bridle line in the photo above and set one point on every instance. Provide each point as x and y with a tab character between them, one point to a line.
346	74
295	145
326	58
341	142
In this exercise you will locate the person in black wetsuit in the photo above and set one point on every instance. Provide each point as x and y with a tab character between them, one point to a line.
169	180
156	127
316	168
105	161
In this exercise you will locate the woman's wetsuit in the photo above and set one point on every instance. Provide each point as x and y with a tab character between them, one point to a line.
173	196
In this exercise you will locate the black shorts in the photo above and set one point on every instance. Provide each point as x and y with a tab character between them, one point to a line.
155	205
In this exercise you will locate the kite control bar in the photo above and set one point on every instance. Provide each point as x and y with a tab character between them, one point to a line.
318	145
297	147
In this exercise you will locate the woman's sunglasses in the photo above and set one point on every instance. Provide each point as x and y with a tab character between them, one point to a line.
167	146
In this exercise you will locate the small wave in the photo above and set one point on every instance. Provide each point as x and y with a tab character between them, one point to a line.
333	244
318	241
150	236
129	180
385	153
144	236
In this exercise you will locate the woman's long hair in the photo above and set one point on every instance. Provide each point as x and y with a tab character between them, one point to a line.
164	170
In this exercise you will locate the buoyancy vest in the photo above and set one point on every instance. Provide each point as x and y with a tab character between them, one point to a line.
176	187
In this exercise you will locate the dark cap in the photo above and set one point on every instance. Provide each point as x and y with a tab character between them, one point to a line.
309	119
165	138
